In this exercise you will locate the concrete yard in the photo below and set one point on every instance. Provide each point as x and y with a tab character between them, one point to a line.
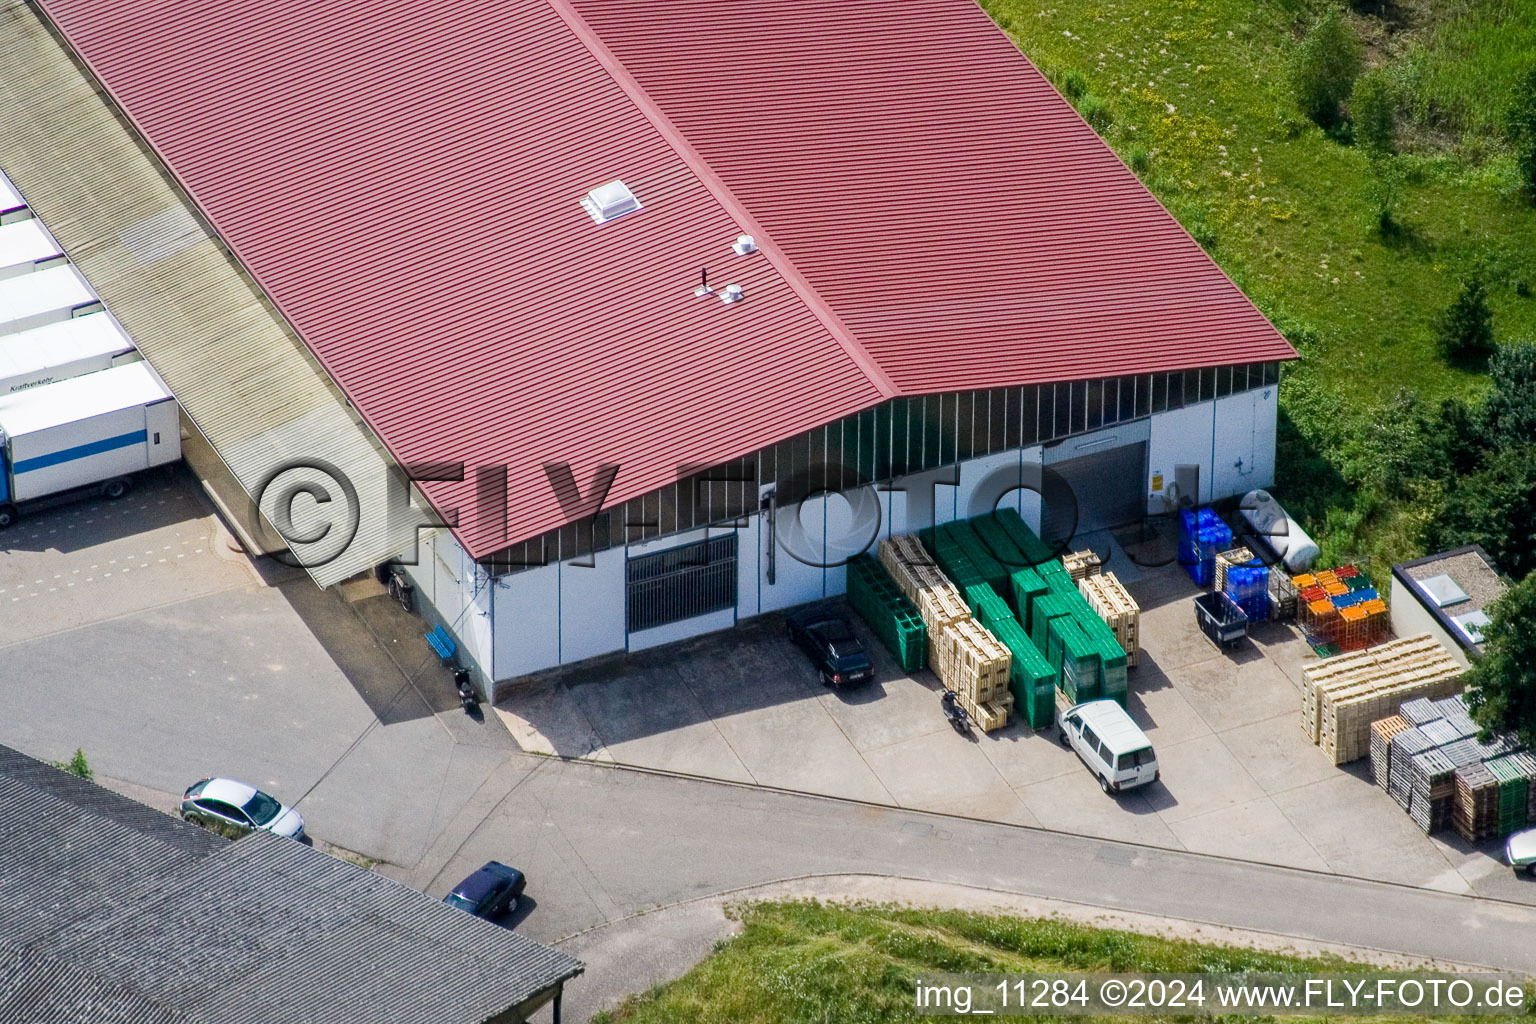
1238	777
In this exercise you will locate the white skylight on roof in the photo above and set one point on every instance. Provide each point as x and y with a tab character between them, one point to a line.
606	202
1443	591
1471	625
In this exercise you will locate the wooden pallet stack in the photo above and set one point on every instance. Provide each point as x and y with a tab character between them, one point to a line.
1227	559
974	664
910	565
1433	790
1342	696
1381	746
937	600
1119	610
1081	564
1475	811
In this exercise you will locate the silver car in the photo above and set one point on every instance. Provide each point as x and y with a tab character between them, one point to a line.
1520	851
234	809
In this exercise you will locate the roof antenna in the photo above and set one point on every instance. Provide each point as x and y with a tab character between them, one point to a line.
703	289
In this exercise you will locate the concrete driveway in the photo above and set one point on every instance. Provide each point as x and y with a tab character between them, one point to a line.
132	630
1238	777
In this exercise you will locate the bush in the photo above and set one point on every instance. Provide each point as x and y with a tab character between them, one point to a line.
1512	399
1096	112
77	765
1520	129
1324	68
1494	507
1373	114
1383	191
1074	86
1501	686
1139	161
1465	331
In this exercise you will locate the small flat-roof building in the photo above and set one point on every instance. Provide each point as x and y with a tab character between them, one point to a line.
1447	595
115	913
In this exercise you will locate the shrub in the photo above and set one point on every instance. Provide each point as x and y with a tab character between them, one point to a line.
1494	507
1373	113
1383	191
1325	66
1501	686
77	765
1139	161
1074	86
1520	129
1096	112
1512	398
1465	331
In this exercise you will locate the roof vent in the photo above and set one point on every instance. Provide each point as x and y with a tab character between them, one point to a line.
731	294
606	202
744	245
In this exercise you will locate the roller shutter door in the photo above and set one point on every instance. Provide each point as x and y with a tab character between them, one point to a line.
1108	485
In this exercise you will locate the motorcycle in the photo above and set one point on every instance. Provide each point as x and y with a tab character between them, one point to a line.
955	713
467	696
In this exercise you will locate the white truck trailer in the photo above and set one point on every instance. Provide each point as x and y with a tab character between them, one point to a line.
44	297
66	349
26	247
87	434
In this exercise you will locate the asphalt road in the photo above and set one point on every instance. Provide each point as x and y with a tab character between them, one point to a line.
601	843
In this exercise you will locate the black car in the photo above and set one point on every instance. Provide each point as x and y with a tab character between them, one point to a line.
489	892
839	655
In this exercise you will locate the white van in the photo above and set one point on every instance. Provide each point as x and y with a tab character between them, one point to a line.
1110	744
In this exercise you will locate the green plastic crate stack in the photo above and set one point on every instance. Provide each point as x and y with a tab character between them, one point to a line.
1001	546
1027	586
993	572
1112	660
984	604
874	595
1042	612
1036	552
1030	677
1512	793
951	556
1073	656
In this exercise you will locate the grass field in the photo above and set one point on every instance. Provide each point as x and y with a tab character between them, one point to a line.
813	963
1198	103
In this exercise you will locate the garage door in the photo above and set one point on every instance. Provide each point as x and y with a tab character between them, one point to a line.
1108	486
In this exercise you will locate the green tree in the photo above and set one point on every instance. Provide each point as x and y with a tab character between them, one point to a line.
1520	128
1494	507
1465	331
1373	114
1501	686
1511	407
1324	68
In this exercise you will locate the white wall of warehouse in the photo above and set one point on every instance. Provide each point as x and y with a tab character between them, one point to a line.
1232	440
568	612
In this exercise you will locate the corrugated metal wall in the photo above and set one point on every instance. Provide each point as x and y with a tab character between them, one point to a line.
240	374
893	439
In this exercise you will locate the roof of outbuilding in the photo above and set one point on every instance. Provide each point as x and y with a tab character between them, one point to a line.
116	913
402	178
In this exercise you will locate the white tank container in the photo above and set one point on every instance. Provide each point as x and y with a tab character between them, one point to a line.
1283	533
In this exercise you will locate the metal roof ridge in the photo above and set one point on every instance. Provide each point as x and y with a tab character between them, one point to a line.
674	137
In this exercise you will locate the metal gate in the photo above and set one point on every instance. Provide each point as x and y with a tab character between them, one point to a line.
681	582
1108	486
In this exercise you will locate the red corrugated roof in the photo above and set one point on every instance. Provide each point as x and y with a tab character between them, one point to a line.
402	177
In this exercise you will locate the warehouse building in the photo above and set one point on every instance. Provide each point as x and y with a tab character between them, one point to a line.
666	314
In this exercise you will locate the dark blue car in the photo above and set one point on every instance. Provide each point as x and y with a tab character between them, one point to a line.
829	641
490	892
